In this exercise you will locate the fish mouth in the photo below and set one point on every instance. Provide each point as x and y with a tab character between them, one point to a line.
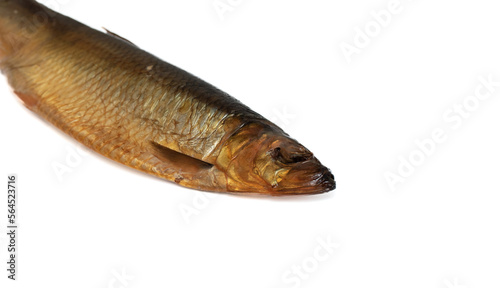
301	182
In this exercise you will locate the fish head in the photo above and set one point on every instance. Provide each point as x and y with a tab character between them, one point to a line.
267	161
290	168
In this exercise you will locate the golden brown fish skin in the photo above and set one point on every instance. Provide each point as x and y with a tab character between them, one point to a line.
145	113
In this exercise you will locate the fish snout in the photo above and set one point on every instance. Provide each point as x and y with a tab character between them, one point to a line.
306	177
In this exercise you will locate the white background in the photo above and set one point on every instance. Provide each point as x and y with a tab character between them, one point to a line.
440	228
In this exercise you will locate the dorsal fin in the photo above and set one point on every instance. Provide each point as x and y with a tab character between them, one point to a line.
118	36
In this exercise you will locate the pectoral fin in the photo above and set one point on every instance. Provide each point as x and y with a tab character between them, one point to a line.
178	160
188	171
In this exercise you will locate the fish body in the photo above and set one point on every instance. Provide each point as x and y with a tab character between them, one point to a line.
136	109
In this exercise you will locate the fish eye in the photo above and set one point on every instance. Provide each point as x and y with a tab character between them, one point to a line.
275	153
298	158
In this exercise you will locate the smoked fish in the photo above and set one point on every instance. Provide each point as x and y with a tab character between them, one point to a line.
138	110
